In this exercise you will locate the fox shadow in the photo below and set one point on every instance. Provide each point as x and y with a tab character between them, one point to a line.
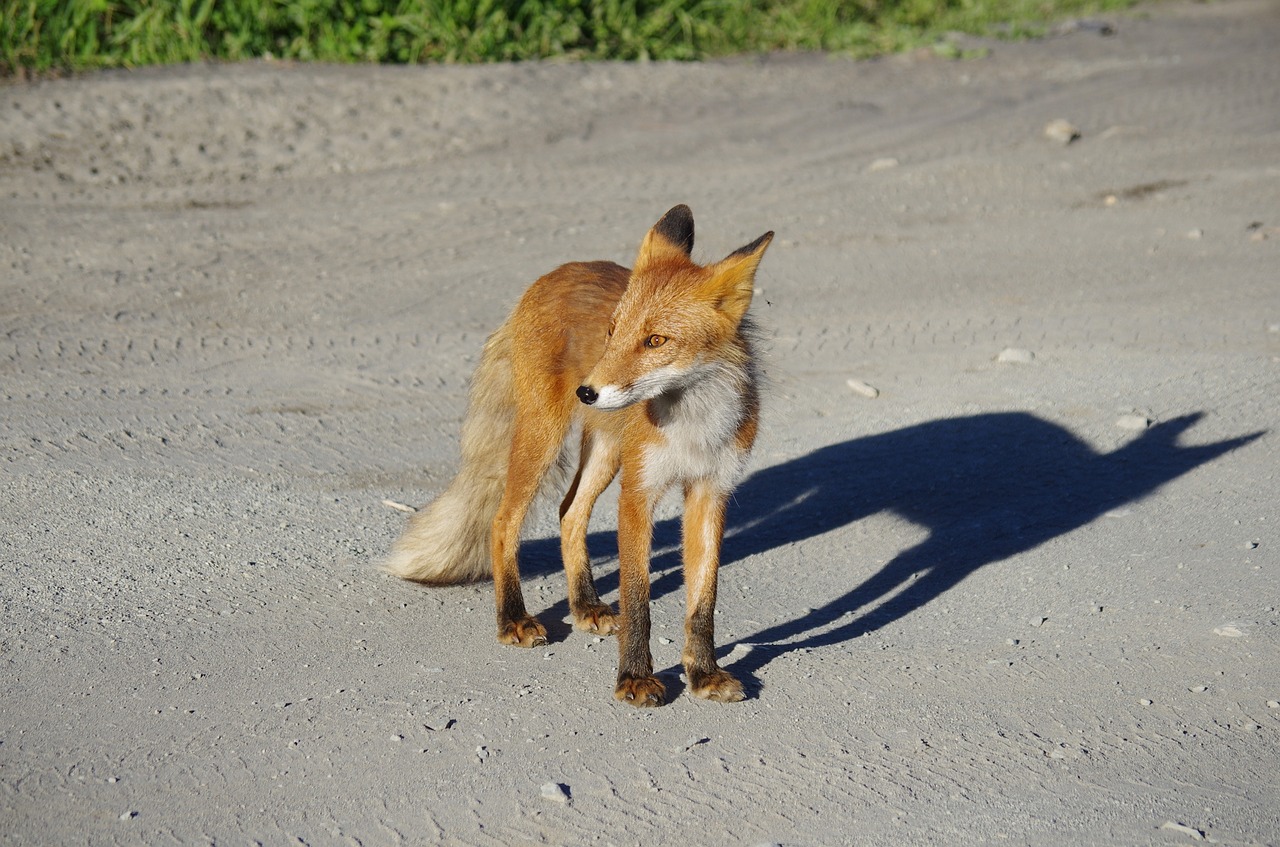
985	487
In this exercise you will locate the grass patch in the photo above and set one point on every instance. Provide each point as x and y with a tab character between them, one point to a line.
50	35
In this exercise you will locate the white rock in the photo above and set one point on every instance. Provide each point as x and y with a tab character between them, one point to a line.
1183	829
1061	131
1228	630
1015	356
555	791
863	388
884	164
1133	422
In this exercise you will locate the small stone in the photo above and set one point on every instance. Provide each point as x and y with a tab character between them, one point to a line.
1195	234
1015	356
1133	422
863	388
482	752
1061	131
884	164
1110	200
1200	689
1144	702
129	815
1228	630
1183	829
1039	621
662	639
555	791
1273	704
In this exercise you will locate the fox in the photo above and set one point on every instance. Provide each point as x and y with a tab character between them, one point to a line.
655	370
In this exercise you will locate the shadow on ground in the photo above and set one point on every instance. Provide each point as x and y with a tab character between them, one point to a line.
985	487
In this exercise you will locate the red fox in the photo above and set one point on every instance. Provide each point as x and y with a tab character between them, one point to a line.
657	365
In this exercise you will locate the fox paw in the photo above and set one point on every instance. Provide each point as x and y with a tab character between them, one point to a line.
643	691
526	632
597	618
718	685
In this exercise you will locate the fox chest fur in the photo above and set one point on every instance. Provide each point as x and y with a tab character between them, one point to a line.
696	432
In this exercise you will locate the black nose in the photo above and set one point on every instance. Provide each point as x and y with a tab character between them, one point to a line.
587	394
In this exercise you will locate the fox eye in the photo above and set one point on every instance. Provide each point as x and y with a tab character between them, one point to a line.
655	341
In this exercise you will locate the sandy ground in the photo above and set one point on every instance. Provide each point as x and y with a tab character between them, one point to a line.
1026	602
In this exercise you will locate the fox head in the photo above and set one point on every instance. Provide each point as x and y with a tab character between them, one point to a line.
676	319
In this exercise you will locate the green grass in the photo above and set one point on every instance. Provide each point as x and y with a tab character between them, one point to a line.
54	35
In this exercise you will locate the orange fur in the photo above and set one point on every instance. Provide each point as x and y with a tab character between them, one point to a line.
657	365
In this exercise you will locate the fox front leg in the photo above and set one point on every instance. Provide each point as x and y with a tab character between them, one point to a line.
636	683
703	529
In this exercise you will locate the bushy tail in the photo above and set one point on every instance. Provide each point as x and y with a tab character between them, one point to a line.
448	541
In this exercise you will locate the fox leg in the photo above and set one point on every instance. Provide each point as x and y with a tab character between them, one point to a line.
703	529
533	450
636	683
597	467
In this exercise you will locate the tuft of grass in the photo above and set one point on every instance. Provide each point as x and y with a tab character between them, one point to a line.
50	35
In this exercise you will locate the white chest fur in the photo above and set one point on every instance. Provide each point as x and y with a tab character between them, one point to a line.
699	426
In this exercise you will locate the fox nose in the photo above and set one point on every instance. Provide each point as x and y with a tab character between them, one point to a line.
587	394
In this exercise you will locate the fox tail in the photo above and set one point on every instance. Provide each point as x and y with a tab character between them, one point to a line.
448	542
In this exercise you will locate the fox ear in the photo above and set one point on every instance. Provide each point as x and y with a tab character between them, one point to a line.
733	278
670	237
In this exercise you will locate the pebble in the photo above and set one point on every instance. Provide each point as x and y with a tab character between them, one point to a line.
1015	356
884	164
1061	131
129	815
1228	630
1183	829
1133	422
1273	704
863	388
664	640
555	791
482	753
1144	702
1200	689
1039	621
1195	234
